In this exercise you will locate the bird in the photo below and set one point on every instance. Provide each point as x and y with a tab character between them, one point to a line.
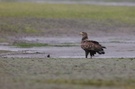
48	56
91	46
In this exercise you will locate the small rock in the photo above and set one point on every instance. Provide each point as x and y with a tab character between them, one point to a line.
48	55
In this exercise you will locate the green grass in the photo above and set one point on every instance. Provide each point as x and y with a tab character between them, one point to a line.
38	73
39	10
28	45
88	82
13	28
30	18
36	19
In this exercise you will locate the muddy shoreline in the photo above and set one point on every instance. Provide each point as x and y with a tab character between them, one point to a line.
117	36
116	48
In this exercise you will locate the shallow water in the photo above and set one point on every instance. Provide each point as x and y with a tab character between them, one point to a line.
92	2
117	47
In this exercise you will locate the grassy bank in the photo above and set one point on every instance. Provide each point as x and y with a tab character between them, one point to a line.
67	73
122	13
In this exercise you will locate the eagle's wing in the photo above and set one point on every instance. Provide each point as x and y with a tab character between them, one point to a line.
91	45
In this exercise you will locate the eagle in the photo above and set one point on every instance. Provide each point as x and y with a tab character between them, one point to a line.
90	46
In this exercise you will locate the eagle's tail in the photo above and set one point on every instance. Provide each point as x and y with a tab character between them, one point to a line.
101	51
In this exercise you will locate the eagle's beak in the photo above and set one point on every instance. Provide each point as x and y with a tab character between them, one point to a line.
81	33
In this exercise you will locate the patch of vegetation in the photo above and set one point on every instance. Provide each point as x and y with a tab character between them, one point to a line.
28	45
30	19
97	83
120	13
12	11
36	71
14	28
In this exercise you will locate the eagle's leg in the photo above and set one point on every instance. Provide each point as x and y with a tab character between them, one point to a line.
91	55
86	54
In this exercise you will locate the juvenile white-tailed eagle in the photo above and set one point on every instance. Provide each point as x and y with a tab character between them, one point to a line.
90	46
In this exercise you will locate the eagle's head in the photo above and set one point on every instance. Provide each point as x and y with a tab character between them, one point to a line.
84	35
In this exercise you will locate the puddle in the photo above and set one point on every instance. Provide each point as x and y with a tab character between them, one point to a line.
116	48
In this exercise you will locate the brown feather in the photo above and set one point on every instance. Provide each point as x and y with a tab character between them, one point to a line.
90	46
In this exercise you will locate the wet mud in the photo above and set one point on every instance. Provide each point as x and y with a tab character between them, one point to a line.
117	47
